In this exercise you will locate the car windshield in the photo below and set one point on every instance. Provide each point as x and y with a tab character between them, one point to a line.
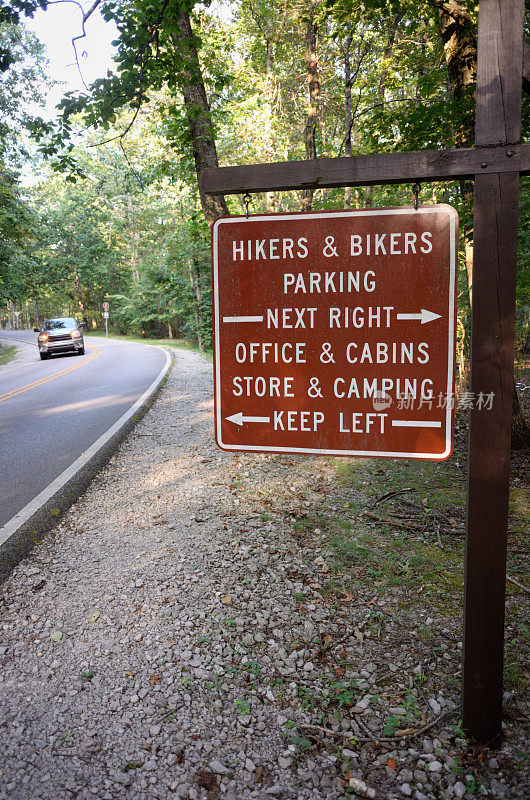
62	323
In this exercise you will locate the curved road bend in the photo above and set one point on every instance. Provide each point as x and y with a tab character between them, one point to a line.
52	411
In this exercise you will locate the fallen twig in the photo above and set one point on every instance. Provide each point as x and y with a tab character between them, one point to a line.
366	730
416	731
165	716
413	505
519	585
408	733
345	734
388	495
342	639
62	751
86	759
320	728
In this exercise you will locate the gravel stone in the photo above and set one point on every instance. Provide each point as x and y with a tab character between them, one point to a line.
218	768
435	705
434	766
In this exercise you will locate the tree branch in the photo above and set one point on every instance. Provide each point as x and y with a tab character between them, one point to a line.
85	17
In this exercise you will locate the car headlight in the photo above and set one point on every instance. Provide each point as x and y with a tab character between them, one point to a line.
43	337
75	334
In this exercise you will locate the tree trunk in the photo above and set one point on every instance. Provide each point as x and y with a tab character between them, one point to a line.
388	52
347	105
269	95
460	50
468	248
520	431
421	63
135	241
382	82
199	118
314	94
195	282
79	293
460	357
198	295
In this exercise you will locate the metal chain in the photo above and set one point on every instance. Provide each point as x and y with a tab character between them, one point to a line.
247	200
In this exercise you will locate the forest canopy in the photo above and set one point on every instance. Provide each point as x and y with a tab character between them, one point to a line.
117	212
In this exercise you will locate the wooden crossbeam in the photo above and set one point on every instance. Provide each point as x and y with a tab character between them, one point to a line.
380	168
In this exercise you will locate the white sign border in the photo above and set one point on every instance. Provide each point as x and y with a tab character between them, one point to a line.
453	220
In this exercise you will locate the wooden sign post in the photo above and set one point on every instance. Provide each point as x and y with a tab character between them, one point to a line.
495	163
498	124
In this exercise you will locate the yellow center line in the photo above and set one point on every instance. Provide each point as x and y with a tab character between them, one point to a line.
42	381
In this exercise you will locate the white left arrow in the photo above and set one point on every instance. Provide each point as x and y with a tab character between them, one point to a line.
239	419
424	316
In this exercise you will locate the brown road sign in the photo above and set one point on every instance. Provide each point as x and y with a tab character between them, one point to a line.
335	332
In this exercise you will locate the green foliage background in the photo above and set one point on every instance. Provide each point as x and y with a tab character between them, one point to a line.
114	213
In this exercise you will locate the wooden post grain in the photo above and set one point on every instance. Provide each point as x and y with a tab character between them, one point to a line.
498	118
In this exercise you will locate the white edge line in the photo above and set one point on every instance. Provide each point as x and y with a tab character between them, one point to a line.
382	212
19	341
315	451
451	328
440	208
217	331
33	506
14	369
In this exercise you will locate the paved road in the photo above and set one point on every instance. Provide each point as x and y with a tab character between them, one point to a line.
52	411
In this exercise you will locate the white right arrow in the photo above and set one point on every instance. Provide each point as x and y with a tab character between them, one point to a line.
239	419
425	316
415	423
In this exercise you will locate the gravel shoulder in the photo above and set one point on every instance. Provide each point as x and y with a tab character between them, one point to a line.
198	625
26	353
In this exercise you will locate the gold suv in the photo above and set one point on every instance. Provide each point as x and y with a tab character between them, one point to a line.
60	335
